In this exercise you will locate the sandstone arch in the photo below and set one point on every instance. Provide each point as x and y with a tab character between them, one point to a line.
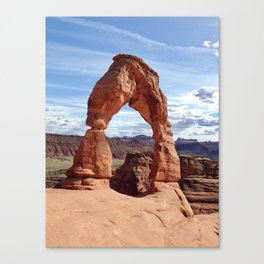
128	80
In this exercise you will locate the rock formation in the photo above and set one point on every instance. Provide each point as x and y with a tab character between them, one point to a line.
198	166
199	182
161	219
128	80
133	177
93	158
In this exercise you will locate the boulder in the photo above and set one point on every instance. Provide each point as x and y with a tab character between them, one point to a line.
133	177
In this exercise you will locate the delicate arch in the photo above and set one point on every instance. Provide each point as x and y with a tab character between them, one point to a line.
128	80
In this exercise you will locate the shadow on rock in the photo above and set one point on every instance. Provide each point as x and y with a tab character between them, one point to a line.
132	178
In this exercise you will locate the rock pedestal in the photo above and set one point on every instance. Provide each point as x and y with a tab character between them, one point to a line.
92	164
93	158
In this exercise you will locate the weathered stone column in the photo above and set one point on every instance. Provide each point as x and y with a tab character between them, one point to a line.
92	164
93	158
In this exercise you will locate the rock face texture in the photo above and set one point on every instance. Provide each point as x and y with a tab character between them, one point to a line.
128	80
200	184
93	158
133	177
198	166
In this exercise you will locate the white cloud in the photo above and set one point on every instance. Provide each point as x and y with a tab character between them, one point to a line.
195	114
203	99
216	52
207	95
207	44
212	46
68	126
215	45
61	119
188	119
190	116
66	116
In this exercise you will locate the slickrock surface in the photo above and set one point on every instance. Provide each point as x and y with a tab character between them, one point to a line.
75	183
128	80
106	218
200	184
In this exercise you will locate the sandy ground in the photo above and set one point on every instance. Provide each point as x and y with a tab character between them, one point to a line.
105	218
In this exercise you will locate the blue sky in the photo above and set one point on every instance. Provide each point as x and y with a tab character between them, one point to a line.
183	50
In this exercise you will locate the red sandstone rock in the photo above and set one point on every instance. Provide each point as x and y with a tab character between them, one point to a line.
109	219
201	191
132	178
84	184
93	158
198	166
200	184
128	80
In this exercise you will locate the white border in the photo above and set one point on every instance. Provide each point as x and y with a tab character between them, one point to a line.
22	133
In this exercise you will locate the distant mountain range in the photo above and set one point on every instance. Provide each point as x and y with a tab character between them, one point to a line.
64	145
194	148
138	137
